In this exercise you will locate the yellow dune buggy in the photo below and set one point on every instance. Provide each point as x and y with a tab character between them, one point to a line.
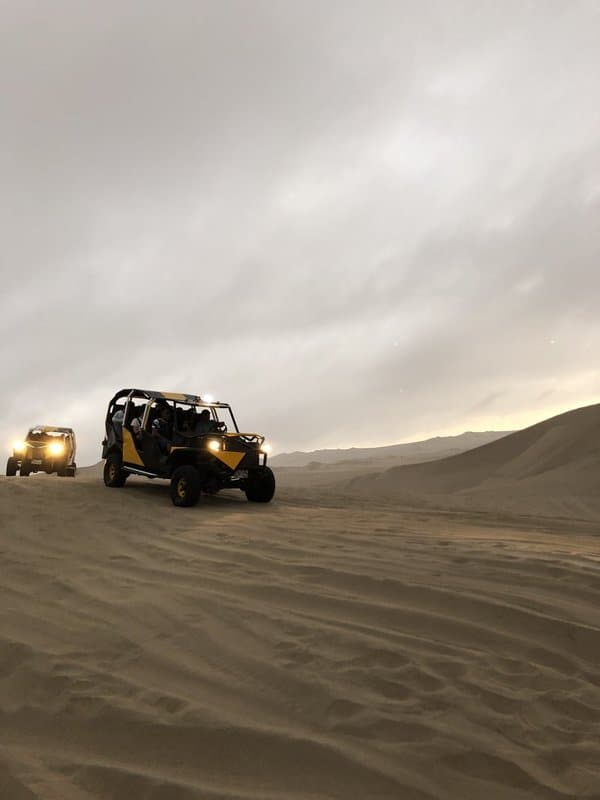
46	448
191	441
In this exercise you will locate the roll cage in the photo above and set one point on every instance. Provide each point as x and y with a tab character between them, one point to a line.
125	400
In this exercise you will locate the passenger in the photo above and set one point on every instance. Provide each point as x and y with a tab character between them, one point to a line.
188	419
161	428
136	428
136	415
117	420
183	428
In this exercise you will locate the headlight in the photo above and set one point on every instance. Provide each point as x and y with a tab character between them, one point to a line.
214	444
19	447
56	449
265	448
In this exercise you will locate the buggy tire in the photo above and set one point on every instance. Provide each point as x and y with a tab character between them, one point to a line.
261	485
11	466
185	486
114	476
25	470
70	471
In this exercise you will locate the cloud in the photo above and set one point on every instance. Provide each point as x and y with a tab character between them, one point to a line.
355	226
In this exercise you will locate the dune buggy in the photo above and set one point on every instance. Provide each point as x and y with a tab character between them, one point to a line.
193	443
46	448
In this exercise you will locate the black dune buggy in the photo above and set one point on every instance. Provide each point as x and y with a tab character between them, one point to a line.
192	442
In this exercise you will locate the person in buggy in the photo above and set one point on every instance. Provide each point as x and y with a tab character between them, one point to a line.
205	423
162	428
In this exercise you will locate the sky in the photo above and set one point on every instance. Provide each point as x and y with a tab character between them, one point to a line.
359	223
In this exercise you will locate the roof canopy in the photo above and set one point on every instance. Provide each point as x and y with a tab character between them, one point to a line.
50	429
190	399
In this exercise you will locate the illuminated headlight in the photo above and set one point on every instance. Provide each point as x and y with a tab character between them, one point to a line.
208	398
214	445
265	448
56	449
19	447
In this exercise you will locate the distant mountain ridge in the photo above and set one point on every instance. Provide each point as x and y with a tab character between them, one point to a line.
427	449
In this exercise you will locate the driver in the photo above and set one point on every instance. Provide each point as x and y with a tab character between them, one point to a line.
206	424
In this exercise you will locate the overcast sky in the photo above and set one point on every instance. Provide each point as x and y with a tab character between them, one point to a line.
358	222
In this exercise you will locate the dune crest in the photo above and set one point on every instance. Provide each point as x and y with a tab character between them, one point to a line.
551	468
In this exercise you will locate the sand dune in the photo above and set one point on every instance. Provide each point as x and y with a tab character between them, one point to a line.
550	469
298	650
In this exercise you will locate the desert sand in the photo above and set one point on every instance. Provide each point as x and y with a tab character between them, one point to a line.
332	644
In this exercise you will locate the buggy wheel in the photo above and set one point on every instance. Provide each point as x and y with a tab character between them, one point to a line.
11	466
70	471
114	476
185	486
25	470
261	485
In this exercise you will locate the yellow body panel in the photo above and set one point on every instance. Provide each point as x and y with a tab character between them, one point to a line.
228	457
130	454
